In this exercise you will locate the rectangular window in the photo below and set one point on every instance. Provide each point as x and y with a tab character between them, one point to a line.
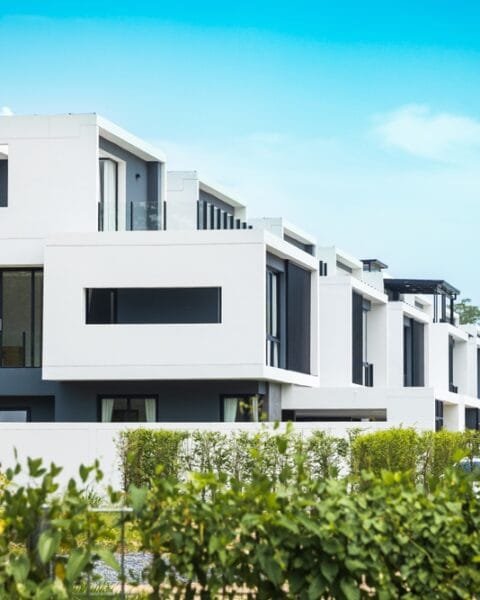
413	353
21	304
108	207
478	373
357	339
273	318
451	376
298	309
3	176
242	409
139	306
438	415
128	409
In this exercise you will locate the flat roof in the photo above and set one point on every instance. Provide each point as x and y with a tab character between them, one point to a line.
421	286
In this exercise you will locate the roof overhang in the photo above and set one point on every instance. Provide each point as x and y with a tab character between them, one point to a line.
421	286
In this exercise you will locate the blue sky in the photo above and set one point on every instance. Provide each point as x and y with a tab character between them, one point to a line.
359	121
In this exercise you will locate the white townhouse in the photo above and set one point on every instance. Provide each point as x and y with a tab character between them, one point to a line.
129	293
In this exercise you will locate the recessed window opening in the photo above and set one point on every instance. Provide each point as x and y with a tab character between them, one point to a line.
273	318
136	306
21	306
3	175
128	409
242	409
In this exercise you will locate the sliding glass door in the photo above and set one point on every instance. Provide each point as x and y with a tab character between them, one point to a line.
21	293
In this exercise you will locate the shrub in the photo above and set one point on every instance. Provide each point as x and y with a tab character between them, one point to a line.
239	454
142	451
213	534
48	540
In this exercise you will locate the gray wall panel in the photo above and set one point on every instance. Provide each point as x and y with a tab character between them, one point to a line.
179	401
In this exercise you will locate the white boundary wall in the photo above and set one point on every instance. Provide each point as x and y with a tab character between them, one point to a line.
71	444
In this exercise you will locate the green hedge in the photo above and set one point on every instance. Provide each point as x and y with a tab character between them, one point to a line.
281	526
238	454
212	535
425	455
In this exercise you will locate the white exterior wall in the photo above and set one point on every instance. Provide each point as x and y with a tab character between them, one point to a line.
83	443
232	349
335	331
408	407
53	175
438	356
377	347
182	198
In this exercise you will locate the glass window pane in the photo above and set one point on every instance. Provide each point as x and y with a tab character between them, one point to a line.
16	303
37	318
137	408
13	416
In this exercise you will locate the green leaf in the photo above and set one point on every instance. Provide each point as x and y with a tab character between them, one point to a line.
20	568
316	589
48	544
76	564
84	472
108	558
329	570
138	497
350	590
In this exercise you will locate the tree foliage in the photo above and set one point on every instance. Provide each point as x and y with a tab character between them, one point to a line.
468	312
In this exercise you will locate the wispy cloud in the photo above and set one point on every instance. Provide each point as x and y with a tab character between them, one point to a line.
441	136
5	111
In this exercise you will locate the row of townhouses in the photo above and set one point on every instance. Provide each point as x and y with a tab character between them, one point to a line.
130	293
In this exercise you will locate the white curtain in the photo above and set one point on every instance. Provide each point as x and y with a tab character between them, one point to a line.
230	409
254	408
151	410
107	410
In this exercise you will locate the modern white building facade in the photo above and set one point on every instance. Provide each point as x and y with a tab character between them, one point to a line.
129	293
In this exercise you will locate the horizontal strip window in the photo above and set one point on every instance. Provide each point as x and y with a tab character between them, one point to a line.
145	306
378	415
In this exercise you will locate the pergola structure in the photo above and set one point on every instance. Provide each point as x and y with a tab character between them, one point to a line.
438	288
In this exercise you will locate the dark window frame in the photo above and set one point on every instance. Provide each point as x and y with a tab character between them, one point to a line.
114	306
33	291
273	341
4	182
128	397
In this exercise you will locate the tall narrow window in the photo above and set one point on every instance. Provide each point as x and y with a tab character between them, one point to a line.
438	415
357	338
451	376
108	207
273	318
298	309
3	176
21	293
413	353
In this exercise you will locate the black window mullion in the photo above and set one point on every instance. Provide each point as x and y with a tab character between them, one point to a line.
32	318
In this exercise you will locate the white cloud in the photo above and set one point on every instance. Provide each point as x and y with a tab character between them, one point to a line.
5	111
416	130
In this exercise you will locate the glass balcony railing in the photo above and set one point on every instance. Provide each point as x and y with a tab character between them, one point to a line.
140	216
